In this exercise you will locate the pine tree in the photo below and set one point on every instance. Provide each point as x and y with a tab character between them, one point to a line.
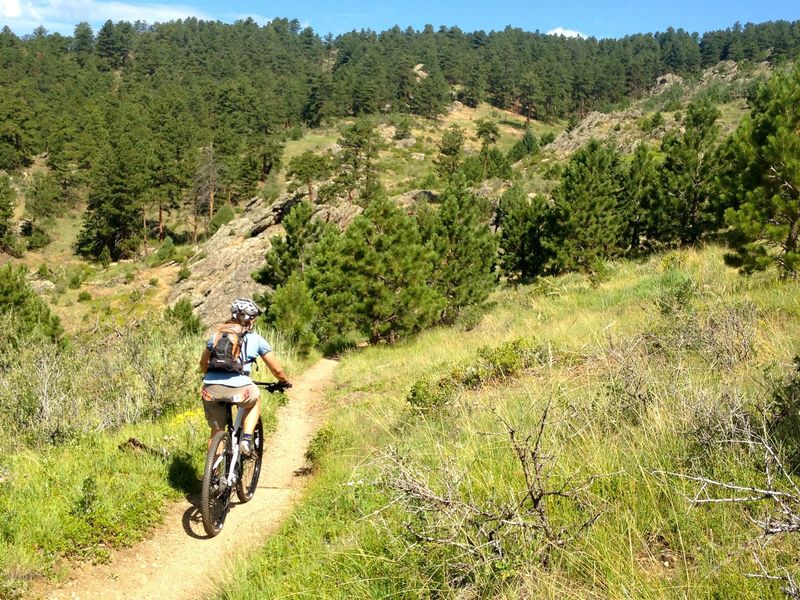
639	193
465	250
29	313
451	149
688	188
374	278
764	180
590	223
293	312
7	201
526	235
307	168
292	252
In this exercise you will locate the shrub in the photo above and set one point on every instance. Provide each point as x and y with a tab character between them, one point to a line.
183	315
154	281
75	280
165	252
222	217
84	296
184	273
326	440
490	364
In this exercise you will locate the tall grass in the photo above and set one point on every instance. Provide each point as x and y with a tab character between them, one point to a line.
658	367
71	486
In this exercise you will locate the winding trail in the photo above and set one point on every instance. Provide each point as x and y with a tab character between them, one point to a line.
177	561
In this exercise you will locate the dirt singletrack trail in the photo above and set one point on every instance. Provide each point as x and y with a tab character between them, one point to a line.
178	561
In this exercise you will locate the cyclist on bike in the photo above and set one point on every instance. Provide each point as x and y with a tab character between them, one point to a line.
235	385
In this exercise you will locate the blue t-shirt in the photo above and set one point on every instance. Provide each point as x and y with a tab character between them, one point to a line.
253	346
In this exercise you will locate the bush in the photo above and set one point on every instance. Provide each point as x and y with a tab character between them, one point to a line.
183	315
165	252
222	217
75	280
184	273
37	239
153	281
84	296
490	364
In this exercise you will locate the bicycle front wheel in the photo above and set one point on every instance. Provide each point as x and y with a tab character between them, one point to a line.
251	467
216	493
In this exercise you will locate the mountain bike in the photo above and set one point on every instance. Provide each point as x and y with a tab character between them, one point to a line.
227	468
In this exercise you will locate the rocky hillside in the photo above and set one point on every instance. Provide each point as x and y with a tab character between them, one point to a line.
222	269
669	96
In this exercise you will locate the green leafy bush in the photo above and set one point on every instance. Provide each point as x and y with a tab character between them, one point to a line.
490	364
222	217
184	273
84	296
183	315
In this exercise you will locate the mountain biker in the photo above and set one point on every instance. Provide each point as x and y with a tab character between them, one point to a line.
235	385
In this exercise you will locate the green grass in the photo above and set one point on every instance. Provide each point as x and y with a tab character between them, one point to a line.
633	390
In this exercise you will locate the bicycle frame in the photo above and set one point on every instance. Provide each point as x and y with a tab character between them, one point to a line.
234	430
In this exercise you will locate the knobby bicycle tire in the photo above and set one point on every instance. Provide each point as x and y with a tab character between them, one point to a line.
215	498
251	467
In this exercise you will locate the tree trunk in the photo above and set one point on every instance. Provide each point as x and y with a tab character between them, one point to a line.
160	220
144	230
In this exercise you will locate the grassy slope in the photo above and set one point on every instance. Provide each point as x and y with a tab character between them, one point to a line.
81	498
625	402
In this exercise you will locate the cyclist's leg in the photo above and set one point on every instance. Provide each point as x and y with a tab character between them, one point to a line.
215	415
252	410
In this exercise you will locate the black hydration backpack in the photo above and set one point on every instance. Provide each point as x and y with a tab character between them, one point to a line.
227	350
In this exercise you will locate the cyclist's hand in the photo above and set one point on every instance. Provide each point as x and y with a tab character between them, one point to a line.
287	384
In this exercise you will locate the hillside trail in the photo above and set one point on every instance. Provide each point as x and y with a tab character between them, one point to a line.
178	561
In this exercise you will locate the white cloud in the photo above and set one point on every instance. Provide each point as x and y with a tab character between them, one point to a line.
10	9
566	32
62	15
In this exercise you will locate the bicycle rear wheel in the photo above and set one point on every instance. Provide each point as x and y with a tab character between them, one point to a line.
251	467
216	494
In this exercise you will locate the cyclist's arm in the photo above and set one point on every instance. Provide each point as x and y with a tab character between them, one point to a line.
204	360
274	366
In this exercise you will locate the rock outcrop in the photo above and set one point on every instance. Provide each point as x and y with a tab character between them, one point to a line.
222	270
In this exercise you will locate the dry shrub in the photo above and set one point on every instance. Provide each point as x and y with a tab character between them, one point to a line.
479	537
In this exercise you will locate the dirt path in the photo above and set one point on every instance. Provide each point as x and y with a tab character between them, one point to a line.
178	561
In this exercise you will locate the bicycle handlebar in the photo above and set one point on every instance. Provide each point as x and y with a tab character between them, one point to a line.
273	386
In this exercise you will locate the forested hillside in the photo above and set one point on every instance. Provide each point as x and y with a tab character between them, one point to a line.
391	190
137	119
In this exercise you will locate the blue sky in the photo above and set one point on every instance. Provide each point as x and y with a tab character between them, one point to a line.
589	18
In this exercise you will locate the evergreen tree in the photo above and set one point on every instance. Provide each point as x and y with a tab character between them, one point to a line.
764	180
113	216
29	313
488	133
307	168
356	162
451	149
527	145
639	194
7	201
688	188
465	250
293	312
526	235
292	252
374	278
590	222
431	95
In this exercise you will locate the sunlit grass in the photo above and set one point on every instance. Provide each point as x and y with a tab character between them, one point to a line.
348	540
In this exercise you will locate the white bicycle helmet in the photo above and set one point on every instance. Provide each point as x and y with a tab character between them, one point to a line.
244	307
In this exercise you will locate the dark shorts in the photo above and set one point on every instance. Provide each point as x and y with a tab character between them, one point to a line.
214	394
